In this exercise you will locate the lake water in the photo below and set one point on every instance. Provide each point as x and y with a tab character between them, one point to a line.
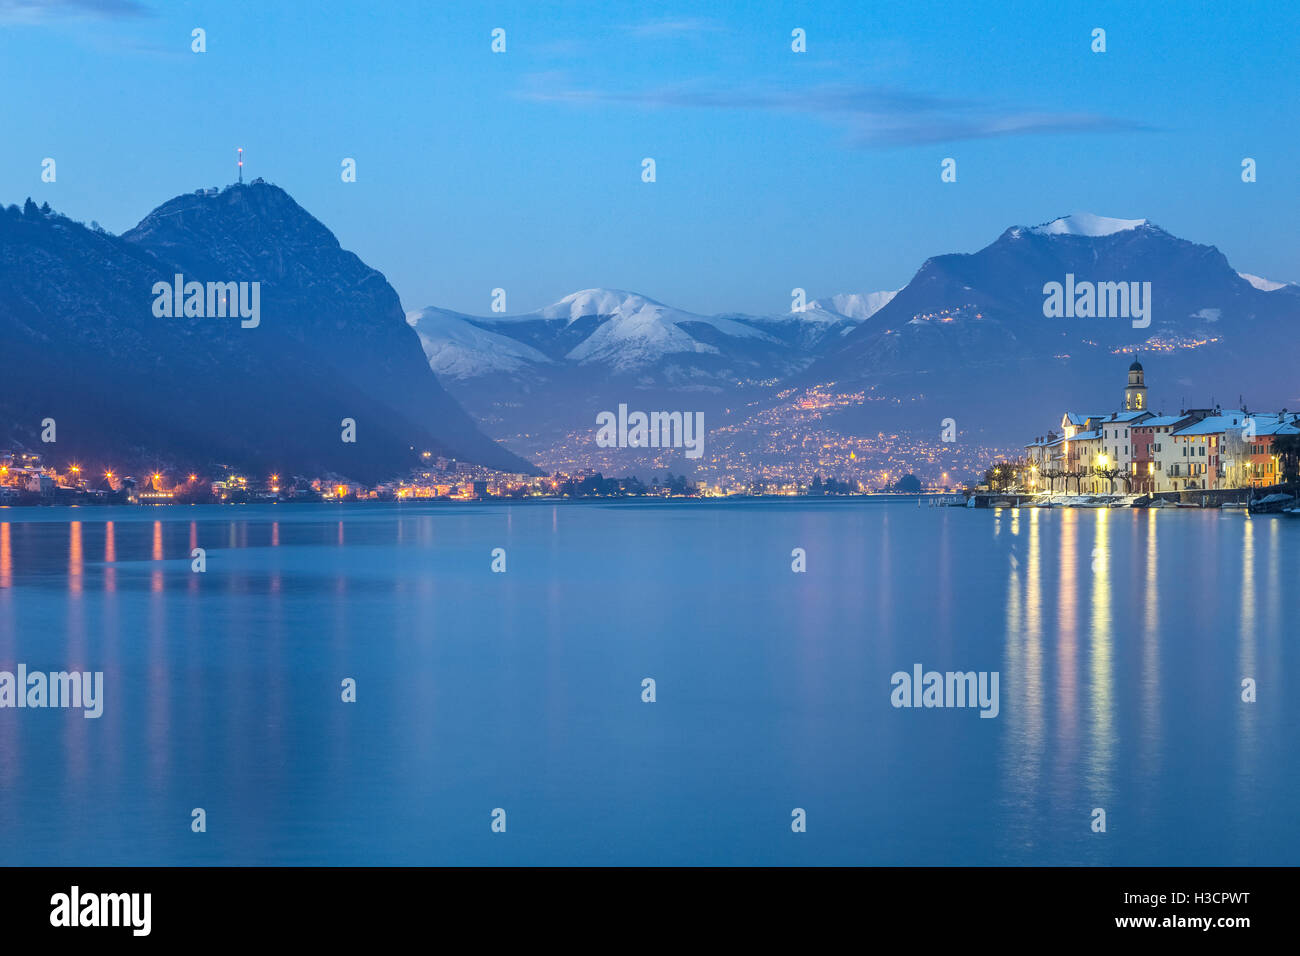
1121	639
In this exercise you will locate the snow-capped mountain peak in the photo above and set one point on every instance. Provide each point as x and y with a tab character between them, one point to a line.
589	302
1262	284
638	331
857	305
622	331
1086	224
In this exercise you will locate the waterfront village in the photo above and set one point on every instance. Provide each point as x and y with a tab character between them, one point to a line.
1200	456
26	479
1197	457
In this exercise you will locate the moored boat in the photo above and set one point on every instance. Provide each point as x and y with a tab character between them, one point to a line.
1272	504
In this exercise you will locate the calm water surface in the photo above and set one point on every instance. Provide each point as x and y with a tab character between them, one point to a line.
1121	638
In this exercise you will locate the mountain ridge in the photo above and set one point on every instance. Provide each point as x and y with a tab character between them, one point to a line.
332	344
966	337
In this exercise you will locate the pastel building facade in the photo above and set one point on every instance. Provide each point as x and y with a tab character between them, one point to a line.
1196	450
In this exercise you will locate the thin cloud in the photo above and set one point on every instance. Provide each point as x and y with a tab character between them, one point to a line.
870	116
674	27
48	11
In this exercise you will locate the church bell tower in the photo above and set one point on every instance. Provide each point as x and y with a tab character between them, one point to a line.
1135	393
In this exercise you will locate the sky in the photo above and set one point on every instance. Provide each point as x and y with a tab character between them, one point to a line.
774	169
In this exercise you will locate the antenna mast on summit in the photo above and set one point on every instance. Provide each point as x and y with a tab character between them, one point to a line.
241	165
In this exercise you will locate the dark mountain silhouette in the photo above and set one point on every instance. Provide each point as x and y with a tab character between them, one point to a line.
967	338
81	345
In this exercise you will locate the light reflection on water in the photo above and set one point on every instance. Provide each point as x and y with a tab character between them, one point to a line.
1100	687
1121	638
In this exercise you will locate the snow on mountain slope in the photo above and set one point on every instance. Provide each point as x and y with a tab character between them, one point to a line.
626	333
1086	224
459	349
822	319
588	302
858	305
638	331
637	311
641	338
1262	284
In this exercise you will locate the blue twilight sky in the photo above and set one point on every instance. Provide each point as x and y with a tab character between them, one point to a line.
775	169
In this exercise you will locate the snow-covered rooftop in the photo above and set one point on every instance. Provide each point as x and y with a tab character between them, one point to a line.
1277	428
1078	418
1214	425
